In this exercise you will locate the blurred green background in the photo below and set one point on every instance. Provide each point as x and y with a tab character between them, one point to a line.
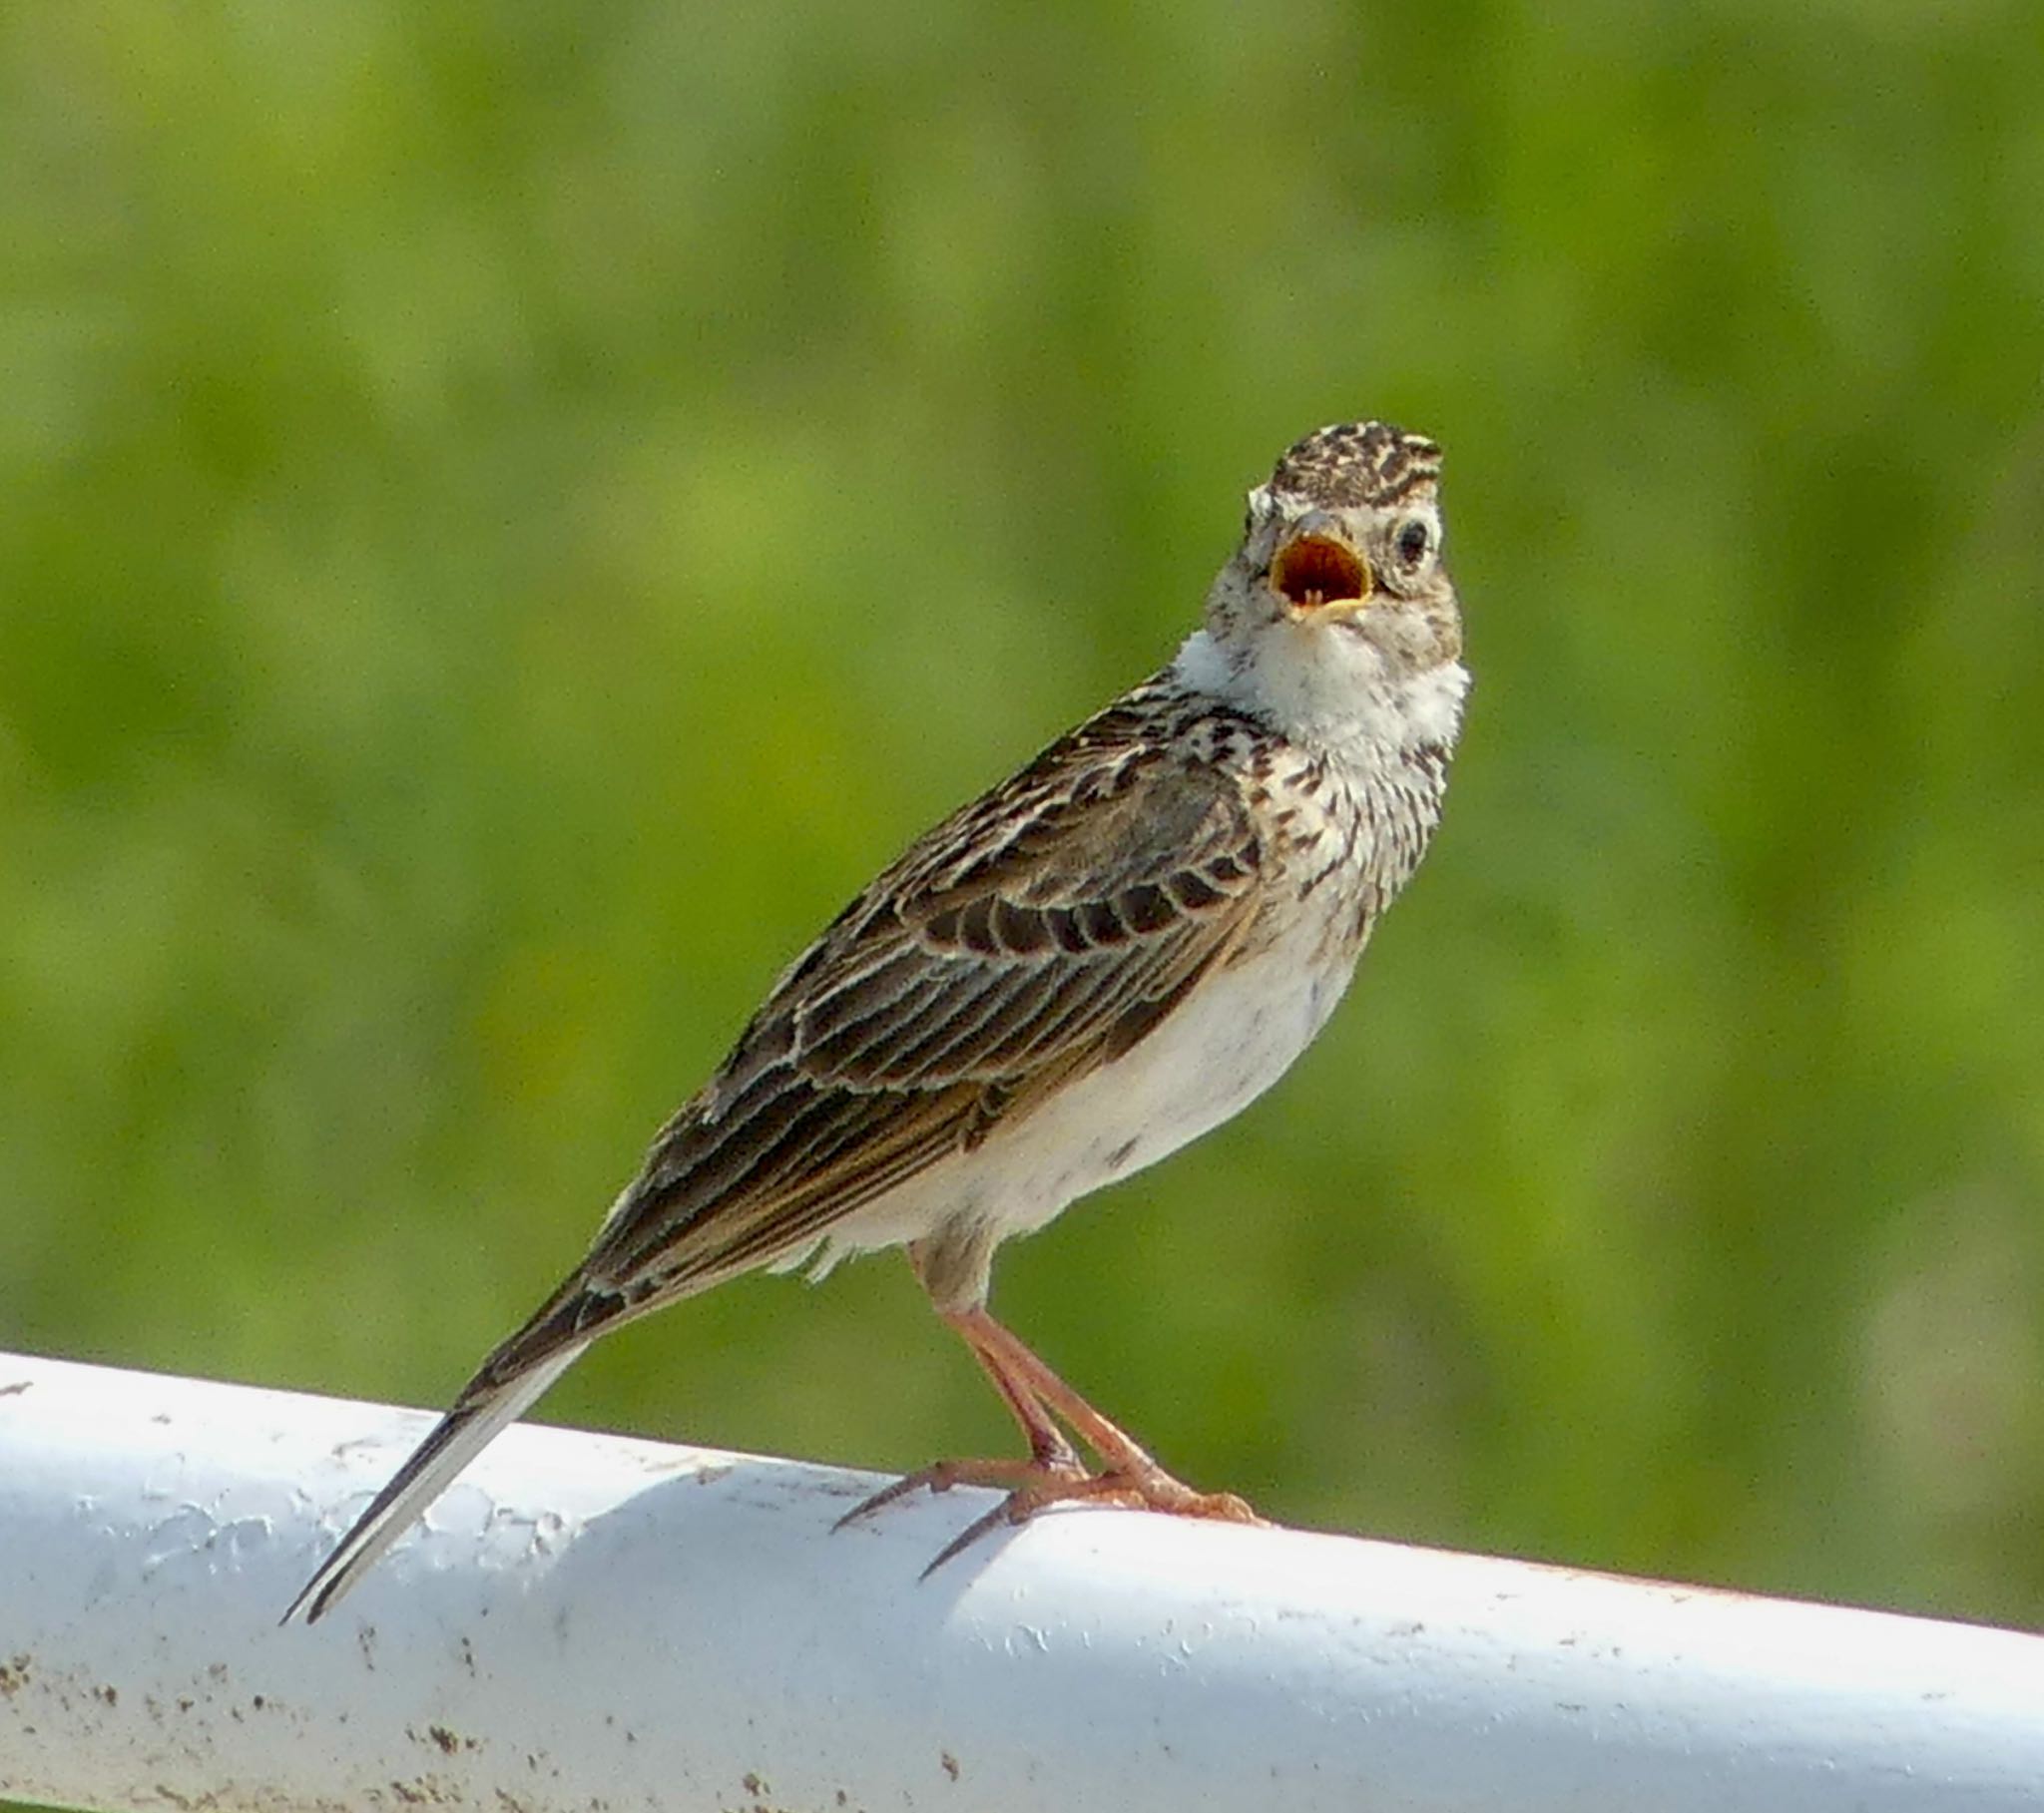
511	514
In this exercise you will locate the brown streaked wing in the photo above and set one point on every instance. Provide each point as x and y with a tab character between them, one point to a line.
1038	933
1086	911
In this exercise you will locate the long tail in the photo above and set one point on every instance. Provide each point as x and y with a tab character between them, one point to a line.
478	1417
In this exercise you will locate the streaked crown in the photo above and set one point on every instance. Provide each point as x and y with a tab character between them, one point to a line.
1356	463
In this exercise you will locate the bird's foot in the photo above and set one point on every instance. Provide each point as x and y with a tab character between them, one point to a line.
1038	1483
941	1476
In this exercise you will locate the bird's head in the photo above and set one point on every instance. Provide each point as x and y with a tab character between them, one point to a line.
1337	591
1344	543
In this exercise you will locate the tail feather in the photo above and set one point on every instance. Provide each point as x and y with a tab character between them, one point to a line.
458	1437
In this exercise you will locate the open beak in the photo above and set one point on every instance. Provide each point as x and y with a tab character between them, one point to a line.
1318	577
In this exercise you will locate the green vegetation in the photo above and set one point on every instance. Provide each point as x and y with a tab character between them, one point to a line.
512	514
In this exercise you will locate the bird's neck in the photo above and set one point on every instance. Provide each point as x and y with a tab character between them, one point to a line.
1348	707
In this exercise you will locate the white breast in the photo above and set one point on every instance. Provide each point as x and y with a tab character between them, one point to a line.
1234	1037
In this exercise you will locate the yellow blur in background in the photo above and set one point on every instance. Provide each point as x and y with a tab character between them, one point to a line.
507	517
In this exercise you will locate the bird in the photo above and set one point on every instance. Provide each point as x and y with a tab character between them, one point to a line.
1098	960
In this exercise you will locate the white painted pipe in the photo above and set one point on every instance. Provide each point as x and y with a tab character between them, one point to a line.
587	1621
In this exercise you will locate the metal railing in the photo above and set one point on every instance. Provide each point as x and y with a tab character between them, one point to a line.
587	1621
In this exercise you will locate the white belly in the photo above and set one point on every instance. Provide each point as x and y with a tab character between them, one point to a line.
1235	1035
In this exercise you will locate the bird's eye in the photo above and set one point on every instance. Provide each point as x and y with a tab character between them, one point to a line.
1414	540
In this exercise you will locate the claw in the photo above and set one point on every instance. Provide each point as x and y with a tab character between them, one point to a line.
987	1525
941	1476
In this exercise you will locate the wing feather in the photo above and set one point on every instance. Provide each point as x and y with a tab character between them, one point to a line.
1039	933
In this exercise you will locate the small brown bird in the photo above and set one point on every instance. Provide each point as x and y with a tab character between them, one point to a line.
1099	960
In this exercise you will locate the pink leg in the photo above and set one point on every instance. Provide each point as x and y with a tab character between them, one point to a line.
1127	1476
1128	1468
